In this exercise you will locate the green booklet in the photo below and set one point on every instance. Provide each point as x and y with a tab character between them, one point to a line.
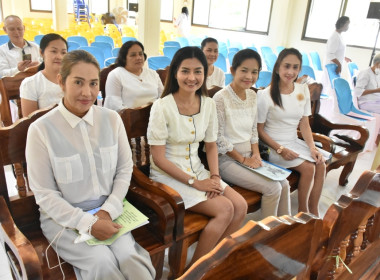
130	219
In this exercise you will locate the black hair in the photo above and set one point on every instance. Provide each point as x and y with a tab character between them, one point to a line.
242	55
122	57
171	84
208	40
274	85
44	43
341	22
185	11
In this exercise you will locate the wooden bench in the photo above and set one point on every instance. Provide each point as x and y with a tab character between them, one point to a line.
19	215
279	248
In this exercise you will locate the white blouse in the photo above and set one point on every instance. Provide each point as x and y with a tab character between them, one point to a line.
217	78
38	88
367	80
74	160
127	90
237	119
335	48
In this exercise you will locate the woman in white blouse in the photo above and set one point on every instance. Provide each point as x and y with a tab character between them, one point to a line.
179	120
42	89
215	75
238	138
131	85
79	160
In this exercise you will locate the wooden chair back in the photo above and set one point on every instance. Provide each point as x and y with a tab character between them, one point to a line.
163	73
274	248
351	234
103	79
10	90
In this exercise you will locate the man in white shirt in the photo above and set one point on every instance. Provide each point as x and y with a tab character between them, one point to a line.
18	54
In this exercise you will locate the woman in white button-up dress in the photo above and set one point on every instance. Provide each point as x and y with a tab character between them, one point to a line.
179	120
78	160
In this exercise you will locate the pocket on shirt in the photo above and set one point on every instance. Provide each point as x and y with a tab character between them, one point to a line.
68	169
109	158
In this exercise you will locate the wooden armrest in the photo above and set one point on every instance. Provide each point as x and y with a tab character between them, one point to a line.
163	218
19	244
327	142
170	195
324	126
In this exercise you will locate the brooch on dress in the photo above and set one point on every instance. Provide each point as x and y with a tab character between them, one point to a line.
300	97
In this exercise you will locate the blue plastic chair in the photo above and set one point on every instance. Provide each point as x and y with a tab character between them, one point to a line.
97	53
72	46
172	44
234	44
344	97
170	51
270	60
264	79
279	49
82	41
316	61
37	38
182	41
353	68
106	47
115	52
231	56
228	78
221	63
109	61
307	70
305	59
266	51
196	41
223	49
331	70
233	49
4	39
107	39
158	62
126	39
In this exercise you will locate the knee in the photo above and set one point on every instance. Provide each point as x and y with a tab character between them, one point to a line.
273	189
227	211
240	208
308	169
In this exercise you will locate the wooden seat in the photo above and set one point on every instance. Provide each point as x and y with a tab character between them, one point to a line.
274	248
10	90
19	215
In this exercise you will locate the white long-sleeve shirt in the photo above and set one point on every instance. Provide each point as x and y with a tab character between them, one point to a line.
74	160
367	80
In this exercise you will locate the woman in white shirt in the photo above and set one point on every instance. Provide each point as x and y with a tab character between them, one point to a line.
215	75
78	160
183	23
179	120
238	139
131	85
282	108
42	89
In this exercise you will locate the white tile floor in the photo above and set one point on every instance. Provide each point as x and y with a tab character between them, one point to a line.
331	192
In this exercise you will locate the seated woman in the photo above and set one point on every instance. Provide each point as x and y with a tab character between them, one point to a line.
215	75
130	85
238	139
282	108
78	160
42	89
179	120
367	87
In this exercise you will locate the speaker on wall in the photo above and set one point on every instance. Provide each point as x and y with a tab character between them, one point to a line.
374	10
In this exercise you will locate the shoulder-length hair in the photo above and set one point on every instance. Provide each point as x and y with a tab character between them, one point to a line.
122	56
274	85
171	84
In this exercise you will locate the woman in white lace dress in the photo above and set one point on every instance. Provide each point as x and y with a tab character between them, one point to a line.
238	138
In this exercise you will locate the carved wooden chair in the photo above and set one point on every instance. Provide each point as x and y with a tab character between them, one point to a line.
351	234
163	73
274	248
19	215
103	79
10	90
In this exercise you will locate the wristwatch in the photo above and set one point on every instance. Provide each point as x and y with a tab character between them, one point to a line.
279	150
191	181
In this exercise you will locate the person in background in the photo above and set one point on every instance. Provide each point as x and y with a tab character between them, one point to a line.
78	160
183	23
18	54
238	138
282	108
42	90
179	120
215	75
131	85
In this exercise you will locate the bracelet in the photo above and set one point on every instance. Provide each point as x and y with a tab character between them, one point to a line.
216	175
96	218
243	160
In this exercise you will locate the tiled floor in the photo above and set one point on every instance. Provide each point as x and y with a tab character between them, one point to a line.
331	192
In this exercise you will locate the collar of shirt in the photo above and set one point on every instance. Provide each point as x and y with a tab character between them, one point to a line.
11	45
74	120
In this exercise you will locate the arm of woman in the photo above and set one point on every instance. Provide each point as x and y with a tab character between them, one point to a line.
114	90
308	138
28	106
